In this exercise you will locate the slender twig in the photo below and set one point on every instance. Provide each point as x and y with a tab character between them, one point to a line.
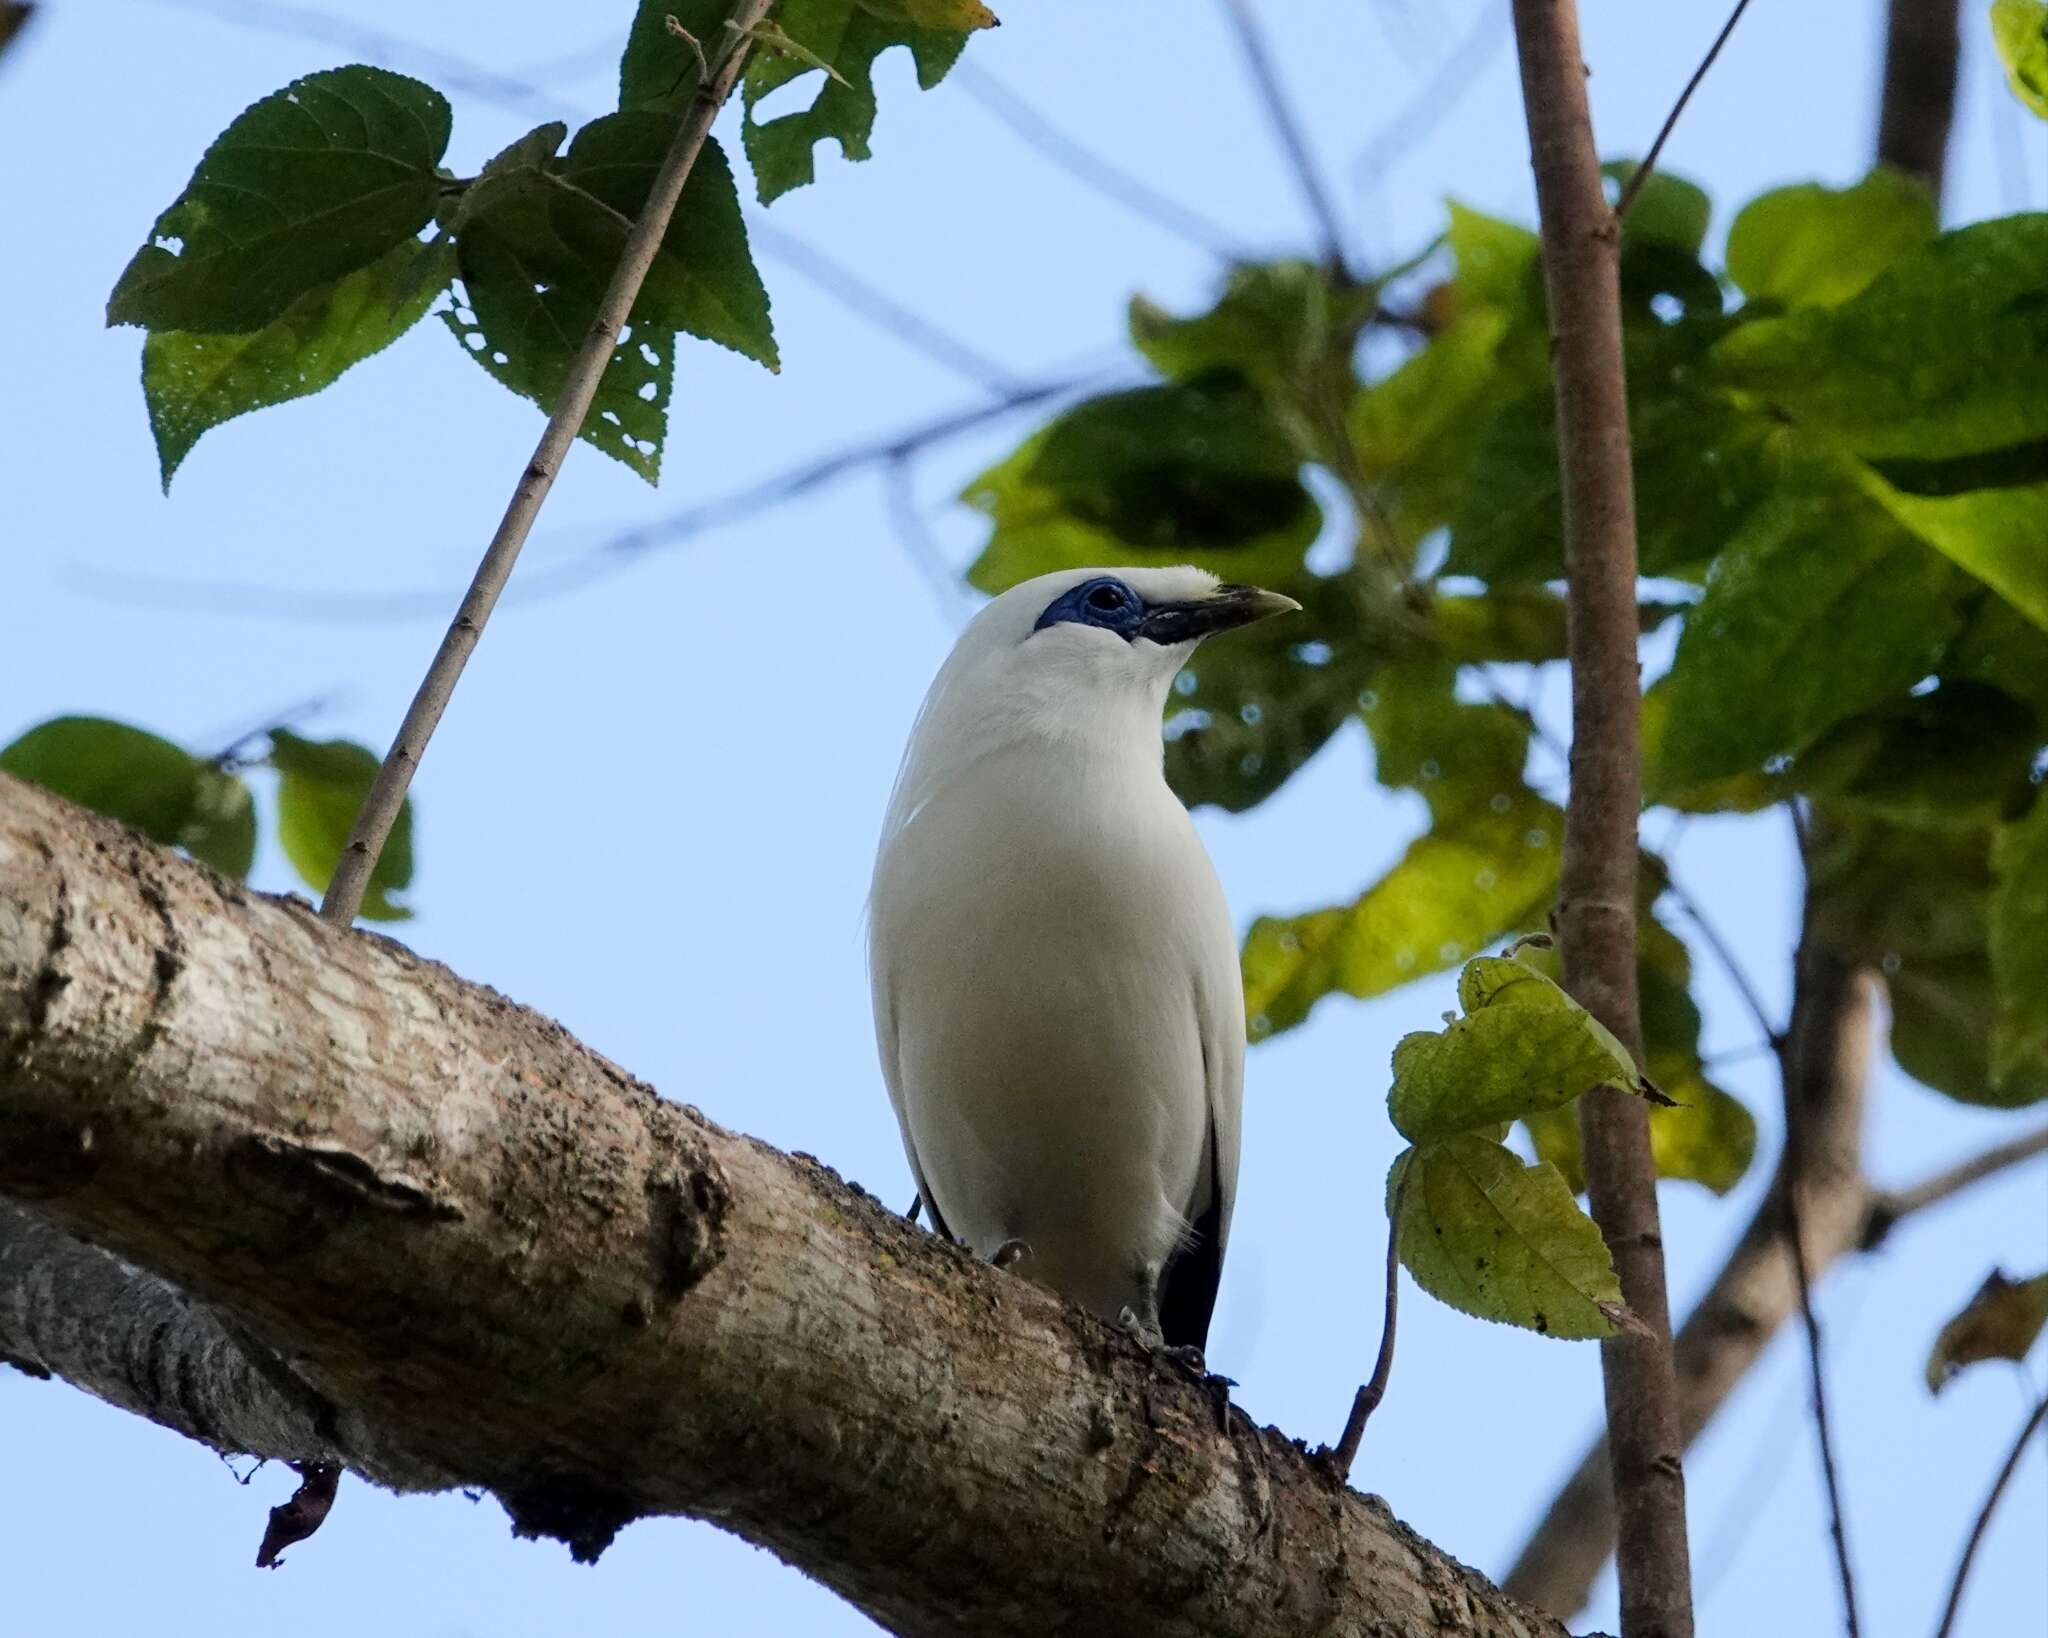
387	793
1287	126
1891	1206
948	593
1795	1238
1367	1400
1090	168
1642	173
2005	1473
1596	919
231	751
879	308
1439	97
1722	951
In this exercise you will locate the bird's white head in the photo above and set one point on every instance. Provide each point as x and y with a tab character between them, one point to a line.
1081	656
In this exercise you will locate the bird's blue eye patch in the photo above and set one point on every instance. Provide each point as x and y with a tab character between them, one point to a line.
1106	602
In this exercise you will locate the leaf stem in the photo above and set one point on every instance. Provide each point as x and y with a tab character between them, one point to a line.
1367	1400
387	794
1649	164
2005	1473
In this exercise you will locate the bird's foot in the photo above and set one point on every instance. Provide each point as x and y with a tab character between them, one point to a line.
1010	1253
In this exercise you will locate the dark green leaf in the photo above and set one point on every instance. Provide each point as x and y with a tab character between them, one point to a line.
1814	246
1504	1241
660	71
2000	646
164	791
321	784
192	382
1946	352
1276	322
1194	472
2002	1321
2019	949
1953	757
2021	30
309	184
1667	210
849	36
1821	607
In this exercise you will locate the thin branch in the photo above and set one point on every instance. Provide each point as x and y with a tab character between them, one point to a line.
1287	126
387	793
1090	168
879	308
1723	952
1596	919
1795	1237
297	712
1890	1207
1649	164
948	594
1368	1398
1440	95
2005	1473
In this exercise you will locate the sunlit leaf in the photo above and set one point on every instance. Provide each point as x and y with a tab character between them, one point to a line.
321	785
2021	29
307	185
1995	532
2002	1321
1507	1242
192	382
1815	246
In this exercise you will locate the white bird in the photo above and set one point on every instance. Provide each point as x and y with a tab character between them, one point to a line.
1056	990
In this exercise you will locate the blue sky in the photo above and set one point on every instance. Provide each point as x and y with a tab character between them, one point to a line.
651	810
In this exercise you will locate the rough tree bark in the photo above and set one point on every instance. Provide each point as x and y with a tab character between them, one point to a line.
1756	1290
489	1256
1596	895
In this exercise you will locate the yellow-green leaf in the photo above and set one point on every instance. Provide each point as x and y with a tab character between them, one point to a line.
1815	246
2021	29
321	784
1507	1242
2002	1321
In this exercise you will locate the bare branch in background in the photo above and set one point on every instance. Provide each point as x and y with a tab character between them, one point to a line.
2005	1473
1287	126
1893	1206
1440	95
1922	46
1092	169
1595	916
949	593
572	403
1649	163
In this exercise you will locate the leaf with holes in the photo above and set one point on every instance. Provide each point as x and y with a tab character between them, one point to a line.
2002	1321
849	35
1815	246
1486	1234
321	785
1188	472
193	382
309	184
2021	29
143	780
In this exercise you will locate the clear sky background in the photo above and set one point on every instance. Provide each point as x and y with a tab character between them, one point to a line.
652	809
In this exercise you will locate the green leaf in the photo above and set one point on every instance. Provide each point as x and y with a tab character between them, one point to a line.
1955	756
1815	246
1821	607
1244	715
1702	465
1507	1242
849	36
1523	1047
2021	29
1276	323
2002	1321
321	784
1944	354
2019	949
2001	647
1499	264
1190	472
1668	210
193	382
660	71
307	185
1994	533
143	780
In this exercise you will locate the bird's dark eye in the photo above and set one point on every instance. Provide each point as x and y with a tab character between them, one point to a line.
1108	604
1106	598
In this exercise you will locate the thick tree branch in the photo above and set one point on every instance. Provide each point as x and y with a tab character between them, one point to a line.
1917	109
1596	894
518	1268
